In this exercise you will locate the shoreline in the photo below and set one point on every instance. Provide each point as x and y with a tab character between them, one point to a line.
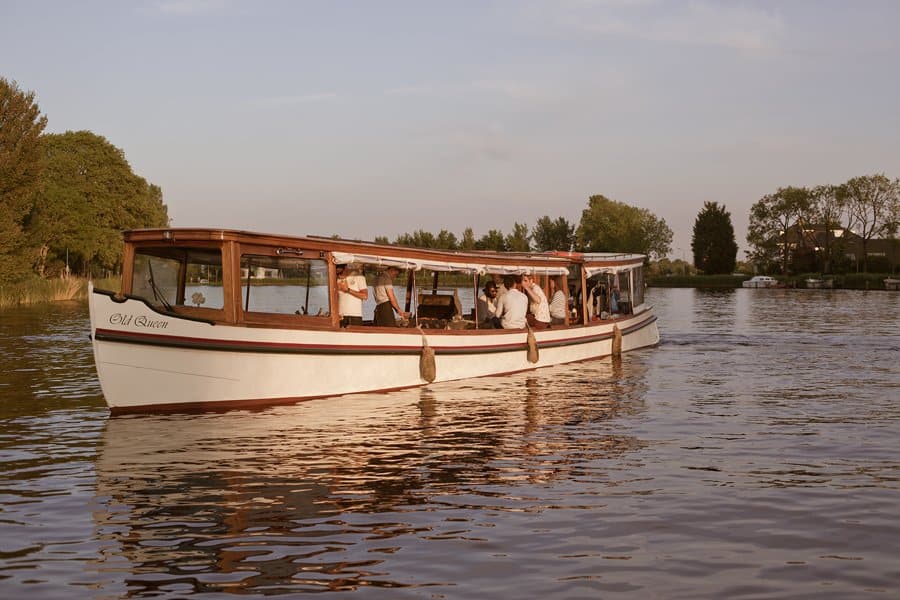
847	281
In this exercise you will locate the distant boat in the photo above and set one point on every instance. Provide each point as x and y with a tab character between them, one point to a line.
892	284
815	284
761	281
266	329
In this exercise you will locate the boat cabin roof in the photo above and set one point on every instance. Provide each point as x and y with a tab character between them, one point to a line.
350	251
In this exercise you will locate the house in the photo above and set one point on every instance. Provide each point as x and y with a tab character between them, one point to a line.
817	248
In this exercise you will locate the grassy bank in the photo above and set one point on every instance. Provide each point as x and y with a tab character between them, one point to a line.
847	281
49	290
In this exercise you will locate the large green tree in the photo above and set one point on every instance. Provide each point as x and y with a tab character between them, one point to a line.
610	226
553	235
21	165
713	244
874	205
88	195
771	219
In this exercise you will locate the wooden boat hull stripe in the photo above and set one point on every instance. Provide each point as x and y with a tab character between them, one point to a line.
171	341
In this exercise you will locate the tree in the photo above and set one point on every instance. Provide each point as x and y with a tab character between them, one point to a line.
553	235
468	240
492	240
446	240
21	165
417	239
517	241
713	245
771	220
830	210
610	226
88	195
874	203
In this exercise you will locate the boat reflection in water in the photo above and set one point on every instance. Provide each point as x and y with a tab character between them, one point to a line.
371	490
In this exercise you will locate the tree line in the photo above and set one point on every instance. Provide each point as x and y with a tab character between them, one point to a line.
804	229
64	198
605	226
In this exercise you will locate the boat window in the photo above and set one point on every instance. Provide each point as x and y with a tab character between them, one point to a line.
638	286
284	285
172	277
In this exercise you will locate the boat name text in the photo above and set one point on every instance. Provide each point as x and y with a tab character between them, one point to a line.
141	321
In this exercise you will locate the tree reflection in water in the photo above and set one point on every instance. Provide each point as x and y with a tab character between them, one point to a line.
327	495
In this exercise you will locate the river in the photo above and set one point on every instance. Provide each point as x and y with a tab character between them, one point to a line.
754	454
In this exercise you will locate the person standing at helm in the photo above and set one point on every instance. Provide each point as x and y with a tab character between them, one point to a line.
385	300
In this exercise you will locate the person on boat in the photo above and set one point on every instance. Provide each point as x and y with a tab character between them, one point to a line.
352	291
538	306
498	282
385	300
513	305
487	306
558	304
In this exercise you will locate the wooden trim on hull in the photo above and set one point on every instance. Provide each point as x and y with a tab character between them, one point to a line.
195	343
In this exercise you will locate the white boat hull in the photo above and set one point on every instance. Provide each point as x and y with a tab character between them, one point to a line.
147	361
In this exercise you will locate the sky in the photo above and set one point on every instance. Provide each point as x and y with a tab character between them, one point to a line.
367	118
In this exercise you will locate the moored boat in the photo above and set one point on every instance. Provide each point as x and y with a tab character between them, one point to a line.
817	284
891	283
209	318
760	281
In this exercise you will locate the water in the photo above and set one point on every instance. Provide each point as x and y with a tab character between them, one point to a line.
754	454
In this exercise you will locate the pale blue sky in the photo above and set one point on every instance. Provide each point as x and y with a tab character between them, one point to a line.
374	118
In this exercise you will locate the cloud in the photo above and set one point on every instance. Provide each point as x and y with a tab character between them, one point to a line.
191	7
299	99
696	23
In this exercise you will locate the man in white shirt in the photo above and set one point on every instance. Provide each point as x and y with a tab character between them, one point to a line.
539	306
512	306
352	290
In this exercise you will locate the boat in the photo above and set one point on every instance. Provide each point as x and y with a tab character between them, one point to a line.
760	281
816	284
219	319
891	283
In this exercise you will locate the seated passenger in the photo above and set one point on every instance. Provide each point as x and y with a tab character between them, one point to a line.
538	306
513	305
558	304
487	306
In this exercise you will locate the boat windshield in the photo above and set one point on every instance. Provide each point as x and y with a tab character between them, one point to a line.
169	277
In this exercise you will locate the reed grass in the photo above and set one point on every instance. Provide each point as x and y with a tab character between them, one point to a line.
39	291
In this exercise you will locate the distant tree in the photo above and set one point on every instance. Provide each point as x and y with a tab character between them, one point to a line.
468	240
492	240
830	211
446	240
517	241
713	245
873	202
21	166
553	235
771	220
417	239
610	226
382	239
88	195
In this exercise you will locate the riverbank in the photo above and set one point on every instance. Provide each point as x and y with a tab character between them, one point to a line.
40	291
847	281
